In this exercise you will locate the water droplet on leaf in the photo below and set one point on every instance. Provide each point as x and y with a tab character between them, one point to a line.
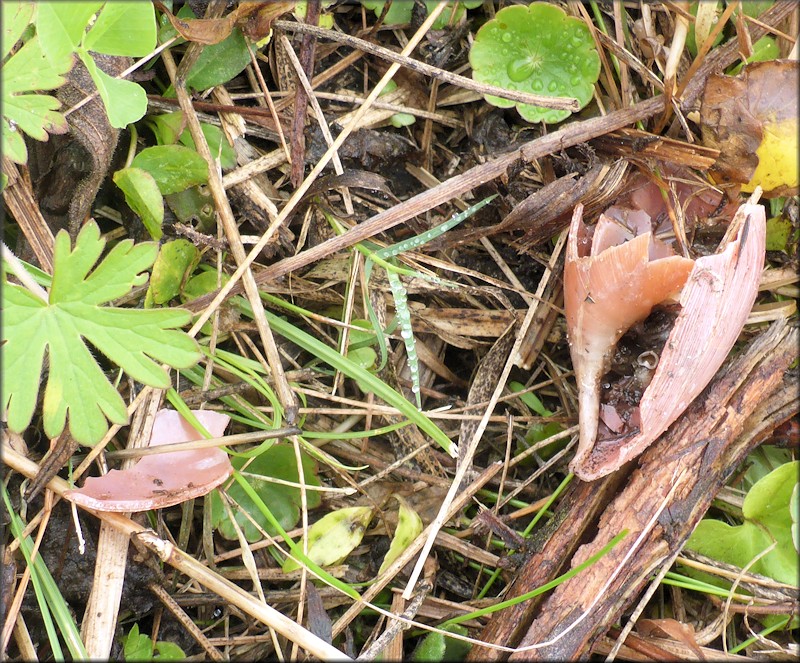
520	69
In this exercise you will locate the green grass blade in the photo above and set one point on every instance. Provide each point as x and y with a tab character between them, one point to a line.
544	588
370	381
51	602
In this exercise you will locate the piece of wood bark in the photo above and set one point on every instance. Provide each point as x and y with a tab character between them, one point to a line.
659	506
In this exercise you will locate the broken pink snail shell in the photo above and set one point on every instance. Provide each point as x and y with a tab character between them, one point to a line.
159	481
613	280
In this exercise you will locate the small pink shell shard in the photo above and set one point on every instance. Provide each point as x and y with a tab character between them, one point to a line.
715	303
162	480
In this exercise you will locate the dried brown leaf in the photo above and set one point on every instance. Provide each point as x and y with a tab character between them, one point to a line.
752	120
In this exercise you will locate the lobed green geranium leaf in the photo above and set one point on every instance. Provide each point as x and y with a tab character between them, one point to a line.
24	73
61	26
125	101
15	17
130	338
123	28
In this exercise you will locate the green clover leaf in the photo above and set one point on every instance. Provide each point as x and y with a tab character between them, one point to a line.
130	338
536	49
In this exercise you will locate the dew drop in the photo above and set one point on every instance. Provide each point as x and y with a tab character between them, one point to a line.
506	37
552	86
575	80
538	86
520	69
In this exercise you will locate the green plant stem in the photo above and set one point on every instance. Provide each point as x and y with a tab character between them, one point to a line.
540	590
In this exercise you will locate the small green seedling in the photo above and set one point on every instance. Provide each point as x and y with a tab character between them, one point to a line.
538	432
140	647
536	49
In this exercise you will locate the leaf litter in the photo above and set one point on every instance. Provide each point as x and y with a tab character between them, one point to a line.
361	456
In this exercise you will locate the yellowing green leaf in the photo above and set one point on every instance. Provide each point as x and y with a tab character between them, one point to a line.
409	527
174	263
73	316
334	536
777	157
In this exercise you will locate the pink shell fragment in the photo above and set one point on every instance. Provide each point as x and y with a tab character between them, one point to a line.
162	480
715	304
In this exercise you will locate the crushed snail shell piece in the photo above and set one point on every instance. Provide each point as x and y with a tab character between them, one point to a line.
715	301
162	480
609	285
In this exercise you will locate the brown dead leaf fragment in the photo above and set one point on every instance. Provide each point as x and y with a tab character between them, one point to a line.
752	120
672	629
162	480
254	18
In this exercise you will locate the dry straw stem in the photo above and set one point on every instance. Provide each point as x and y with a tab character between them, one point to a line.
189	566
212	301
102	608
558	103
231	229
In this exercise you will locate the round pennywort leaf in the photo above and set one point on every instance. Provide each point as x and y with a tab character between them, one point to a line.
536	49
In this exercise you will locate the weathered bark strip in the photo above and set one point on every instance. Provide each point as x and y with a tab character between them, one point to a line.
661	504
549	560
